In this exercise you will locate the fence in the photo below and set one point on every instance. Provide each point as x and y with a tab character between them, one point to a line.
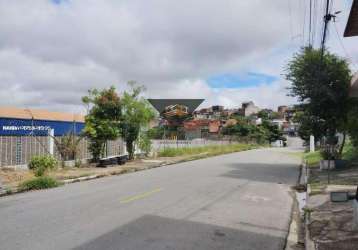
18	150
158	145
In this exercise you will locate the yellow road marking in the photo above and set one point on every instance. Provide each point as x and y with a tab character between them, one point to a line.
141	196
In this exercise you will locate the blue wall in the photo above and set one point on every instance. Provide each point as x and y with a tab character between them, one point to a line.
11	126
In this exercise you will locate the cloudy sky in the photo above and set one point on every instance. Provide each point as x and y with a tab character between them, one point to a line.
227	51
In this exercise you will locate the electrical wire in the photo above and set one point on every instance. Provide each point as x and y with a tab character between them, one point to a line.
304	22
310	26
314	16
290	15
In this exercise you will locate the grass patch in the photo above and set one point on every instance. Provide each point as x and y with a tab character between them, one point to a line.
37	183
350	153
312	159
209	150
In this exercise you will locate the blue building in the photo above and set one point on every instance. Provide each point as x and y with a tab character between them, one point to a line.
28	132
34	122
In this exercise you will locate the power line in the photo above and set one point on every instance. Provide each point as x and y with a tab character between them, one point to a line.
290	15
310	26
314	16
304	22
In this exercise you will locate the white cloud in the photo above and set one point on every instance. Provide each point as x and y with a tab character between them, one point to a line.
51	54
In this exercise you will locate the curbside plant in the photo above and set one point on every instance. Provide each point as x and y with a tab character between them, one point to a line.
42	182
41	164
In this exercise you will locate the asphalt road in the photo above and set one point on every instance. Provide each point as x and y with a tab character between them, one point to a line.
235	201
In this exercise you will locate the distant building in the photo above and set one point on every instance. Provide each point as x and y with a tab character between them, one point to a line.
249	108
201	129
213	113
196	129
279	122
217	108
282	111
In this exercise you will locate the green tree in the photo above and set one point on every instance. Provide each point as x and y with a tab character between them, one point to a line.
156	132
321	83
309	124
272	131
136	114
103	118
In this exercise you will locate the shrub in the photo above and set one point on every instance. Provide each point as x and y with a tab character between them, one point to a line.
41	164
313	158
78	163
37	183
144	143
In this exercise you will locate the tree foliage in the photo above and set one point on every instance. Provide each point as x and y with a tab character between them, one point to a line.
103	118
156	132
321	83
264	133
136	113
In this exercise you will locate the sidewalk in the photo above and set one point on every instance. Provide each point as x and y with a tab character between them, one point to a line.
329	224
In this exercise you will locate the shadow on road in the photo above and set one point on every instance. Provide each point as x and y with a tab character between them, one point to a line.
156	233
272	173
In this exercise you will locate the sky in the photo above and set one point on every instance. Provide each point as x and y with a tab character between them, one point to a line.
227	52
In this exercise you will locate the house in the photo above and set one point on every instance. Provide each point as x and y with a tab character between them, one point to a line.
282	110
201	128
279	122
196	128
249	108
352	30
352	24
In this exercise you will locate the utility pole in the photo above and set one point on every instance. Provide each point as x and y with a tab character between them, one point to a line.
310	27
327	18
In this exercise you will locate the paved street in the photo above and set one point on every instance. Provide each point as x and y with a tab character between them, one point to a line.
235	201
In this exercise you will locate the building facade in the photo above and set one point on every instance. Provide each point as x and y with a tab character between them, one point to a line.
25	133
249	108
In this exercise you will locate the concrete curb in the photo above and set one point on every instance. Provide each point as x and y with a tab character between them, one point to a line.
295	239
309	243
85	178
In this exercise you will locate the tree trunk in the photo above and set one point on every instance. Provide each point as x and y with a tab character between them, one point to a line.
130	149
343	143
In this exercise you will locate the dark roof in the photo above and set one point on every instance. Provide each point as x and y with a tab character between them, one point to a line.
352	24
161	104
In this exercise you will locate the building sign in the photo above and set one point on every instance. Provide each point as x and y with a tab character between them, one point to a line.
10	126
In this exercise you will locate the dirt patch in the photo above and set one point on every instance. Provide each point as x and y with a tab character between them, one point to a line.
12	178
331	226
